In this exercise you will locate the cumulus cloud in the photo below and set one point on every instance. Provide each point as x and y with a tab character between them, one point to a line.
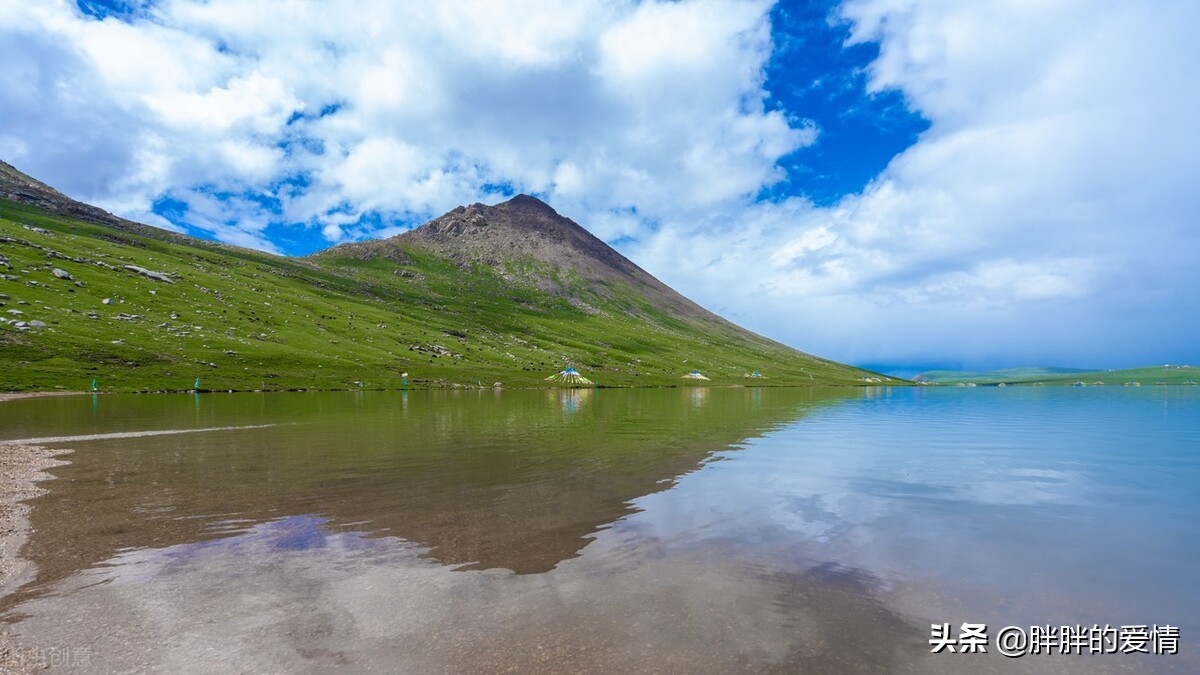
1045	214
405	110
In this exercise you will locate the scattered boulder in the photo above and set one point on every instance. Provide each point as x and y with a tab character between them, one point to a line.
37	324
157	276
61	274
434	350
106	301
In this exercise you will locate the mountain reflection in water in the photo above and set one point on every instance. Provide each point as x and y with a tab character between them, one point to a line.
672	530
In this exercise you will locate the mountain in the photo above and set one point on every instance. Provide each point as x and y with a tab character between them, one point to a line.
507	293
528	243
16	186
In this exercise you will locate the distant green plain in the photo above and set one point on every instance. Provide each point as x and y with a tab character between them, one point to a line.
1150	375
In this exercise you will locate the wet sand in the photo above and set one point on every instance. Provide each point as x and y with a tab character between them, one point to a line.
22	466
17	395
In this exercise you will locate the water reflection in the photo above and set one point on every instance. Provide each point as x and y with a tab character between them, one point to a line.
748	529
292	595
477	482
570	400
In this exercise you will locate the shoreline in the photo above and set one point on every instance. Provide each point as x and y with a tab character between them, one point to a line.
22	467
24	464
17	395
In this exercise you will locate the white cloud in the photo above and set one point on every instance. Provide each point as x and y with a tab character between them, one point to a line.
1049	202
1044	215
613	104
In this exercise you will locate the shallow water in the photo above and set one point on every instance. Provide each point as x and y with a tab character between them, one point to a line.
680	530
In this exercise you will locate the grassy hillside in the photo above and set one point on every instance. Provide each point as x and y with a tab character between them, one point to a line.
244	320
994	376
1150	375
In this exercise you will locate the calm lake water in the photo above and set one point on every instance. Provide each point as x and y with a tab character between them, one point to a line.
684	530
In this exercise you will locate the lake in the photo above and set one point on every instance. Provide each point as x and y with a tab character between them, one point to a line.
657	530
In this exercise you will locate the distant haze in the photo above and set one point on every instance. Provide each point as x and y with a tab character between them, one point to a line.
895	184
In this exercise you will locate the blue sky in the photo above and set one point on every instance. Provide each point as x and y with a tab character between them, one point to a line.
891	183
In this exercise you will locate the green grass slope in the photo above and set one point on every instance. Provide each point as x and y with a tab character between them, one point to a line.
1150	375
242	320
1031	373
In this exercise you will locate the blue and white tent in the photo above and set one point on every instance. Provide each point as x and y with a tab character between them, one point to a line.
568	376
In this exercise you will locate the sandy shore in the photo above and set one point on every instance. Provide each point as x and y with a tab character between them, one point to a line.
14	395
21	467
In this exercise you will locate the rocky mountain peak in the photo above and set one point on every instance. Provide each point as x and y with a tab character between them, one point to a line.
524	229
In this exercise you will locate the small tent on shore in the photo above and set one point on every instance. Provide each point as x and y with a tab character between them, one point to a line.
694	375
568	376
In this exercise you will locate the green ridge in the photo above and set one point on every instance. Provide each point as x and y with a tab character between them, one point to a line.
243	320
1149	375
